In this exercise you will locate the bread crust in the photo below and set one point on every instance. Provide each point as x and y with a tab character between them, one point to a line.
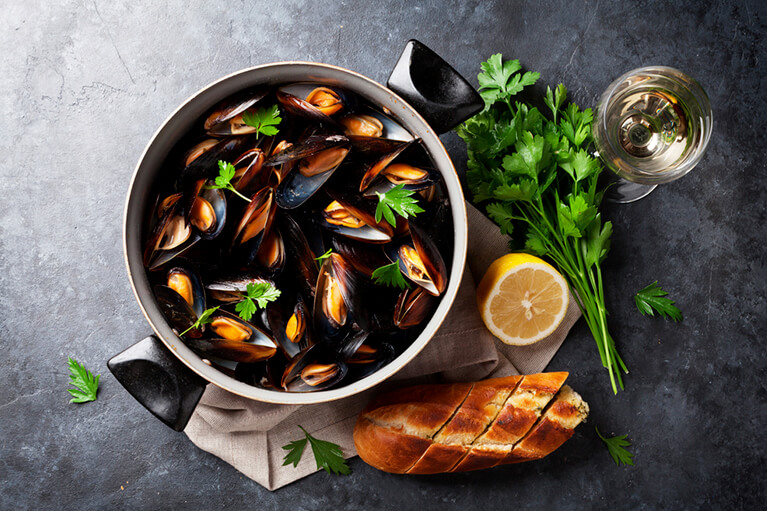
430	429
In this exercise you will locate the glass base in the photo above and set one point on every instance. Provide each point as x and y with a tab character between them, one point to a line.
623	192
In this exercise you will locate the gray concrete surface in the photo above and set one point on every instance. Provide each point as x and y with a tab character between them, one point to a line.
83	86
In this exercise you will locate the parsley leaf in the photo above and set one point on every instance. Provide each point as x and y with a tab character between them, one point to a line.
86	385
399	200
390	275
653	297
327	455
204	319
321	259
615	446
256	296
499	81
226	172
264	120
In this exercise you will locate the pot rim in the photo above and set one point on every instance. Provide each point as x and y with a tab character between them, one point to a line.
460	228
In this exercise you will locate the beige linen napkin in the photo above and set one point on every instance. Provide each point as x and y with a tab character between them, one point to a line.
249	435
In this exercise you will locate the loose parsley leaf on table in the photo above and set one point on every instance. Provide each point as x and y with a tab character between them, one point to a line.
399	200
226	172
204	319
390	275
259	293
327	455
265	120
615	446
653	297
86	385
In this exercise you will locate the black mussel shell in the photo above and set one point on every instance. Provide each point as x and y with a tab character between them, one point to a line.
229	287
171	237
209	213
431	261
271	254
236	351
374	169
337	300
365	257
315	368
299	255
253	226
290	326
178	313
182	276
413	307
224	118
373	124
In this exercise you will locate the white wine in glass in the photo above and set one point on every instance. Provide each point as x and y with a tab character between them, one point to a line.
651	126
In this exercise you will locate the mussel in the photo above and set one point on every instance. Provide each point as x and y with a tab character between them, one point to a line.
315	368
421	262
336	302
253	226
227	118
413	307
183	278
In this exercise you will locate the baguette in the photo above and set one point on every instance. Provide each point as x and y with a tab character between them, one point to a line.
458	427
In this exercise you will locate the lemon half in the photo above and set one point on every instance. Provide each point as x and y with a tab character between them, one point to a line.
522	299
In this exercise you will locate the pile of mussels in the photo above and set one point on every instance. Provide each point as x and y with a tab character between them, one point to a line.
311	188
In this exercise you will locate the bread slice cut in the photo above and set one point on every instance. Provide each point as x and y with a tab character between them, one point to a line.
479	409
398	427
519	413
555	426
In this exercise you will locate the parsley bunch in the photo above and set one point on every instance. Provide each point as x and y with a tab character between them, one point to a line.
538	179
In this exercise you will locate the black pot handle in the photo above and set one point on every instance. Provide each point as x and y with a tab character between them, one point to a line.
442	96
159	381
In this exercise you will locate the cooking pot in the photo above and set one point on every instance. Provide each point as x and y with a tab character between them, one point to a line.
424	94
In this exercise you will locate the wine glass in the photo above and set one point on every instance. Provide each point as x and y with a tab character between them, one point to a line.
651	126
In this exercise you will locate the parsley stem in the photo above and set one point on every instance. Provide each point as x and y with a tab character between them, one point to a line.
234	190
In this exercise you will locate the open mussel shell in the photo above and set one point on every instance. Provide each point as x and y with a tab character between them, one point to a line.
411	177
314	368
235	339
235	351
226	118
177	311
271	254
313	171
371	123
171	236
375	168
208	213
413	307
253	225
229	287
421	262
297	99
182	277
337	300
291	327
353	216
199	149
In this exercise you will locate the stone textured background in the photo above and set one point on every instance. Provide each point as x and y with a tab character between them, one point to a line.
86	83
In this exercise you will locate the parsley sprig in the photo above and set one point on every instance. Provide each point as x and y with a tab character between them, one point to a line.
86	385
226	172
399	200
204	319
616	447
256	296
265	120
653	297
390	275
327	455
535	173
